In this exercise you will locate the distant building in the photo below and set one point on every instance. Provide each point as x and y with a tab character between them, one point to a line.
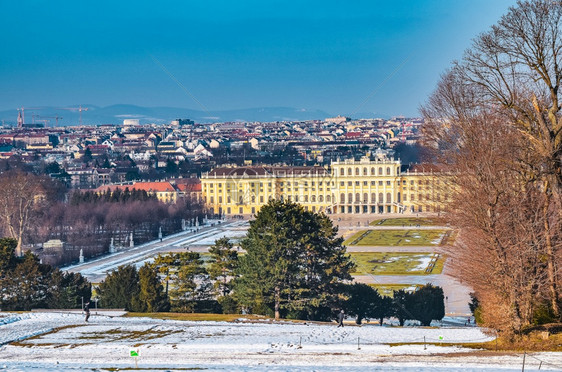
365	186
131	122
338	119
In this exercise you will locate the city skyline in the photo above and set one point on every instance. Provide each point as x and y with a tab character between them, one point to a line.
368	57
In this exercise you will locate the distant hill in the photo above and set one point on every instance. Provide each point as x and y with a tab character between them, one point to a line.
115	114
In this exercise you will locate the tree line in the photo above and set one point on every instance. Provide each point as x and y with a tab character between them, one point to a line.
115	196
293	266
36	209
494	124
27	284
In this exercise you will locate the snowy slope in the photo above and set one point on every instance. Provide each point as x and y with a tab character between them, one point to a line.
105	342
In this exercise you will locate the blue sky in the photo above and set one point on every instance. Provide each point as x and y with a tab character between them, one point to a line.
338	56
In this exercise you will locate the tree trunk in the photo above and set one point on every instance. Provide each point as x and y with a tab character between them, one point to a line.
550	255
18	247
277	302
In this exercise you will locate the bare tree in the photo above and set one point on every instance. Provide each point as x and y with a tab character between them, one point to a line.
22	195
506	89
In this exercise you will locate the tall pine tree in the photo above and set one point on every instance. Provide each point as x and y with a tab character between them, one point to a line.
119	288
224	260
293	262
151	297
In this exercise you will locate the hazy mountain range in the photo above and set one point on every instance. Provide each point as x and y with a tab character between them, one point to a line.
115	114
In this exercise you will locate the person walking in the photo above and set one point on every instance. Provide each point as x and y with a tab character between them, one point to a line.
341	316
87	311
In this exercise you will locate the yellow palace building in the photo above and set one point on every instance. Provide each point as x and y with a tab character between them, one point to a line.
370	185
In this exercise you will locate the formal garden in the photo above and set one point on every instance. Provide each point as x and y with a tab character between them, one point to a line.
406	237
397	263
409	221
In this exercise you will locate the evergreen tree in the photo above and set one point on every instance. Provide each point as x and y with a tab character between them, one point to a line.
52	168
87	155
171	167
190	281
151	297
76	198
293	262
427	304
106	163
8	259
401	306
362	302
66	290
116	195
383	310
190	278
119	288
222	265
25	286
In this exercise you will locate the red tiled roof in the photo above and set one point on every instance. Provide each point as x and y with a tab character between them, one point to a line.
192	187
154	186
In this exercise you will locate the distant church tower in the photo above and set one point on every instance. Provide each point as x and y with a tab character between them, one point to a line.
20	120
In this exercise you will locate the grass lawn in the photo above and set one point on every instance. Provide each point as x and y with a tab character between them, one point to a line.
396	237
408	221
388	289
196	316
396	263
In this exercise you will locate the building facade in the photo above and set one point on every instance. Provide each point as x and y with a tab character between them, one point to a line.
371	185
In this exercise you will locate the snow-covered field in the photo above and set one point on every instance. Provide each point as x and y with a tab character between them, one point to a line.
53	341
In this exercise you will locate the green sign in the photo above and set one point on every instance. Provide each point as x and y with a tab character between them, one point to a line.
134	352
